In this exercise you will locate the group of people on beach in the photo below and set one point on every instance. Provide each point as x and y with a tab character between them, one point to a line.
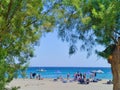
82	78
35	75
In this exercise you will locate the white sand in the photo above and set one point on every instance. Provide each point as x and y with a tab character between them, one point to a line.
49	84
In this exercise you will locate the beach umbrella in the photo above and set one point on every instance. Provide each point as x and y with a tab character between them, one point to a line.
99	71
94	71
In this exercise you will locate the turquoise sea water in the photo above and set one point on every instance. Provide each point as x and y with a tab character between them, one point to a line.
53	72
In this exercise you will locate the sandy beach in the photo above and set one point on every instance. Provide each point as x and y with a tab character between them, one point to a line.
49	84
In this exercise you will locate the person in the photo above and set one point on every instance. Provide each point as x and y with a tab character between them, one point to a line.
81	75
31	75
84	77
87	81
39	77
75	76
68	75
95	74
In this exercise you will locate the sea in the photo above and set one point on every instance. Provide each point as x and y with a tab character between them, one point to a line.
54	72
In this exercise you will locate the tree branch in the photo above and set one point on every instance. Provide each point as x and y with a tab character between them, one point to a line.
41	17
16	7
31	23
117	32
9	8
115	41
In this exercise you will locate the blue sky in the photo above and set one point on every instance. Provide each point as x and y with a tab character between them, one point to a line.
53	52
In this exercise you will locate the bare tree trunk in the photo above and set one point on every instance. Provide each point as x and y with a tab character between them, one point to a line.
114	60
116	75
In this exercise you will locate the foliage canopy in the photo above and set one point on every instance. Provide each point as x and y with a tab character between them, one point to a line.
22	22
92	21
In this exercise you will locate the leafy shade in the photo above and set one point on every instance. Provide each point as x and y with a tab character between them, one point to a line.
22	23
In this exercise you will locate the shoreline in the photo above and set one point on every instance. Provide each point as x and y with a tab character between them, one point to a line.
50	84
54	72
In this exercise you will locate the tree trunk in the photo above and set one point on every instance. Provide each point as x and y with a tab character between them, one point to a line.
114	60
116	75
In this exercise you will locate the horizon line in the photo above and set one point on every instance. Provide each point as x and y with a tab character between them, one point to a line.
75	66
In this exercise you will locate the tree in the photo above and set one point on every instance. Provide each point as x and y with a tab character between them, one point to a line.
22	22
93	22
